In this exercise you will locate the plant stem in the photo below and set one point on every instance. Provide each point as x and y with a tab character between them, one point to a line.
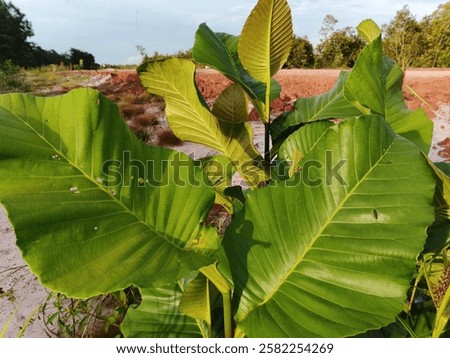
217	279
267	142
227	314
406	326
416	283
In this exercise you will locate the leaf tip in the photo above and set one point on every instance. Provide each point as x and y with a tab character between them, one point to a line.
369	30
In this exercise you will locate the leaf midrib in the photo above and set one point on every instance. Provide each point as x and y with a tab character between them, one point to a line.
194	110
323	106
269	64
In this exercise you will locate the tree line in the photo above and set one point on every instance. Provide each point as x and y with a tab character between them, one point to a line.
15	31
411	43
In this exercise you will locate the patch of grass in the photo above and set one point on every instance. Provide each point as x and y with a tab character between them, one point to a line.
53	79
12	78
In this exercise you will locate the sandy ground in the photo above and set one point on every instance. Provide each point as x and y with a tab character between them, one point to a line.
20	292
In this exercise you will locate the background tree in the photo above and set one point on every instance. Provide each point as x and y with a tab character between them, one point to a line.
327	27
404	40
14	33
338	48
84	60
436	35
301	55
40	57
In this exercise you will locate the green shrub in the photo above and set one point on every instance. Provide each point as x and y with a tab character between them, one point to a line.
12	78
301	55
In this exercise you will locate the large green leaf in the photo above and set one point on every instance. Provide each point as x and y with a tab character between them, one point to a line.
215	49
196	301
332	253
369	30
201	300
331	104
93	208
376	82
266	39
179	310
265	42
231	105
191	121
414	125
366	83
220	51
158	316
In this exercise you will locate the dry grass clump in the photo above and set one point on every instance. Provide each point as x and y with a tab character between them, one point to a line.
146	119
167	138
141	120
131	110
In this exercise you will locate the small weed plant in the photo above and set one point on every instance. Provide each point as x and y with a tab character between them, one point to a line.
92	317
328	223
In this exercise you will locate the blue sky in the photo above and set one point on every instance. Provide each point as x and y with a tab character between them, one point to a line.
111	29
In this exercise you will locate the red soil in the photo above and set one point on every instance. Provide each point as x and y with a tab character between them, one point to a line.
423	88
432	85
